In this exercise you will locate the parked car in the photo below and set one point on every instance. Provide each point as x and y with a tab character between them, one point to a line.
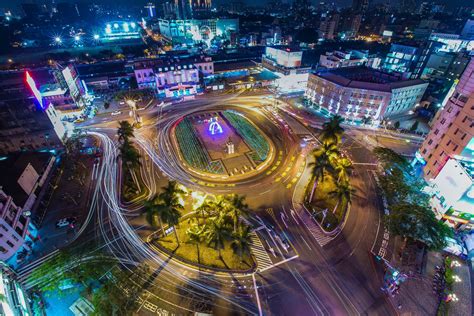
116	113
68	221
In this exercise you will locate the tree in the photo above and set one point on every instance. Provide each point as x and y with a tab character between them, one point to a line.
217	233
196	234
241	241
323	162
332	130
169	207
343	193
389	158
130	156
125	131
416	222
152	213
237	207
343	166
106	105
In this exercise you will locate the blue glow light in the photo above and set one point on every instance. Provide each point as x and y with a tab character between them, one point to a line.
215	127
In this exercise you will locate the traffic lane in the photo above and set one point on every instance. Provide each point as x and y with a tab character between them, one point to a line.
312	266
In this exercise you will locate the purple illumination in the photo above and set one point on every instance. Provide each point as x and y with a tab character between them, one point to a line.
214	127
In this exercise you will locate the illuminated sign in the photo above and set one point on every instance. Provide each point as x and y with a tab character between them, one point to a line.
32	84
215	127
387	33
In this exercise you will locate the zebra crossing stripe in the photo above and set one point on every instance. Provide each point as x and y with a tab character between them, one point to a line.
260	253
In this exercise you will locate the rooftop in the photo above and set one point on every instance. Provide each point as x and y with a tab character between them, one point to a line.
13	166
362	77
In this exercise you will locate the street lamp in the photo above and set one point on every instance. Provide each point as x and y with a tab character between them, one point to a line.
58	39
133	107
96	36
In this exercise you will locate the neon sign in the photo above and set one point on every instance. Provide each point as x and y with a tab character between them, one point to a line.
32	84
215	127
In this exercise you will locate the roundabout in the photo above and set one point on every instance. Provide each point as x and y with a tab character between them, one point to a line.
222	145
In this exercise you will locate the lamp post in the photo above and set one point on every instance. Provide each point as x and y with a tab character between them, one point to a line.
133	112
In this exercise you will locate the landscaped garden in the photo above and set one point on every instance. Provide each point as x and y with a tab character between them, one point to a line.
193	151
329	192
212	235
250	134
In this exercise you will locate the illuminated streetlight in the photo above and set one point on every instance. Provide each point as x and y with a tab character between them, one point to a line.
77	38
96	36
57	39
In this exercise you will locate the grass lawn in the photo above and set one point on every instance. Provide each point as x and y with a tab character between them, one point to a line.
207	255
323	200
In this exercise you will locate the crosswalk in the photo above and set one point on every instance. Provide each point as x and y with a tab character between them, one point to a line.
25	271
321	238
258	250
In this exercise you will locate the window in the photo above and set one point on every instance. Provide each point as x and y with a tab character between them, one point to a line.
436	131
9	243
443	121
430	142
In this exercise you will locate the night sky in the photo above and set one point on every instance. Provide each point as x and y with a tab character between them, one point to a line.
13	3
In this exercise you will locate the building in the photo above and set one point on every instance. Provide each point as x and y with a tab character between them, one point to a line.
15	299
145	70
352	58
328	27
452	191
409	60
360	5
286	63
173	77
349	25
361	93
452	132
26	123
24	176
193	31
452	42
468	30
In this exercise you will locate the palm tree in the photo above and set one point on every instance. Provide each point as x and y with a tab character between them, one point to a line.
125	131
196	235
172	190
332	130
237	207
343	193
343	167
169	207
217	233
153	216
323	162
130	156
241	241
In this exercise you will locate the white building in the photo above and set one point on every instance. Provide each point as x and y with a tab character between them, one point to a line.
15	299
173	77
452	193
340	59
23	178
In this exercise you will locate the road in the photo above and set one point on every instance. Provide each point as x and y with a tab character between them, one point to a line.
316	274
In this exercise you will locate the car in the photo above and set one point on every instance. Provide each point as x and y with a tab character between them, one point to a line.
67	221
122	102
79	120
116	113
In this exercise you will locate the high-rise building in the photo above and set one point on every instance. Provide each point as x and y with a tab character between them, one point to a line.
452	132
360	5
